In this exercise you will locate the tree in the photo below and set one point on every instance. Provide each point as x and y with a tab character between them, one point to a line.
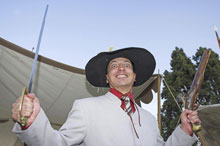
180	79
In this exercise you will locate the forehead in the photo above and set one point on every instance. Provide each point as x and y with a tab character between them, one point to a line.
119	59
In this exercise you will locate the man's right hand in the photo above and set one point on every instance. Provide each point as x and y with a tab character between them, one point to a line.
30	109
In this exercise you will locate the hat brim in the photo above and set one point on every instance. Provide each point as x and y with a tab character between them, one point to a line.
143	61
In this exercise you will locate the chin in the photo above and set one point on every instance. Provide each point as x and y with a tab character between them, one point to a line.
123	85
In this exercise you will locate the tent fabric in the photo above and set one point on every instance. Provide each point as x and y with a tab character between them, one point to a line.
210	117
56	85
7	138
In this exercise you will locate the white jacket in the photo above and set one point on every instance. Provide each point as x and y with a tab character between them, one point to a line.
100	121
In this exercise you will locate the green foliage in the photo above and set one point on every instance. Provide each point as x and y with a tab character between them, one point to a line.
180	79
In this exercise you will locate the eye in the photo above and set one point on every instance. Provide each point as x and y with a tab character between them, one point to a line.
114	65
127	65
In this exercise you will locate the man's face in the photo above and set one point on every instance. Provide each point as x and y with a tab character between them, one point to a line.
120	73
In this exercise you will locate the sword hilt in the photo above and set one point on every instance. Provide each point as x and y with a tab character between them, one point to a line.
23	119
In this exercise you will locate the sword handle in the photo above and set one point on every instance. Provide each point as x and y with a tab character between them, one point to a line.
23	119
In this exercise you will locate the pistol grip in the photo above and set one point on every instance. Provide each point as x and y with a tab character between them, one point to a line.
196	127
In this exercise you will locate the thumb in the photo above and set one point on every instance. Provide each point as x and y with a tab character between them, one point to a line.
31	95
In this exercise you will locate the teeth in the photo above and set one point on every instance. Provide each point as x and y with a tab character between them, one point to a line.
121	76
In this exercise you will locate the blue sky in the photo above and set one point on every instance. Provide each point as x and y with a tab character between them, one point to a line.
76	30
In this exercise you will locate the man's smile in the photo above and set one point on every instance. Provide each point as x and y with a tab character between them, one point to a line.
121	76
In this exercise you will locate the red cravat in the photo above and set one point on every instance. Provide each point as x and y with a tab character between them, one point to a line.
122	97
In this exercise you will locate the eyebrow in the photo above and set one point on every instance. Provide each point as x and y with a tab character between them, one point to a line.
123	61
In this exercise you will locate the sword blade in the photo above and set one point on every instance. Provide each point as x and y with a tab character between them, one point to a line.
37	51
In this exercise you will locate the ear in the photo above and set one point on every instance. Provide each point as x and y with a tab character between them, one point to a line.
134	76
107	79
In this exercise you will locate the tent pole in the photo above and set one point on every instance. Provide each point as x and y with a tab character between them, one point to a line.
159	101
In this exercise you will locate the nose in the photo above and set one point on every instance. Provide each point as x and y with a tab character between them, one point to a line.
121	66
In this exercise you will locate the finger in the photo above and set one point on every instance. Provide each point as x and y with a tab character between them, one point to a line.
189	115
18	100
186	112
27	101
36	110
31	95
27	110
27	107
36	107
15	107
14	115
184	116
28	98
195	119
191	119
194	113
26	113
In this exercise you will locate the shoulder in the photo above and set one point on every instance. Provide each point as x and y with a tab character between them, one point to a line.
91	101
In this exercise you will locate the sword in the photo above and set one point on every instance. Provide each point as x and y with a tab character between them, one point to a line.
23	119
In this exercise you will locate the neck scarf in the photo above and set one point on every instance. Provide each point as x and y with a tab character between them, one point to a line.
127	100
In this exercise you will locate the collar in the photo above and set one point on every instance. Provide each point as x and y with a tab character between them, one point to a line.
120	95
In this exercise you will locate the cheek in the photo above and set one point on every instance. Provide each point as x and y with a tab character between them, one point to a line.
112	72
109	76
134	76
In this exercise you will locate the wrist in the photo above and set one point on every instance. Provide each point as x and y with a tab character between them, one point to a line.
186	130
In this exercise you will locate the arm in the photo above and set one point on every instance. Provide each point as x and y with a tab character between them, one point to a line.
40	132
180	138
182	135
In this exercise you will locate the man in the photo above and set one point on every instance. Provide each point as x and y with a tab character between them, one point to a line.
109	120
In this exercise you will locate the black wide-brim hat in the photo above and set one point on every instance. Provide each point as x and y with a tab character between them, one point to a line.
143	63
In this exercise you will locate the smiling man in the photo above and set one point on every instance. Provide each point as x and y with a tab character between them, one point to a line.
113	119
120	75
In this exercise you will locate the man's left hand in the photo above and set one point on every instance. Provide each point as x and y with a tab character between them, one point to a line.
188	118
